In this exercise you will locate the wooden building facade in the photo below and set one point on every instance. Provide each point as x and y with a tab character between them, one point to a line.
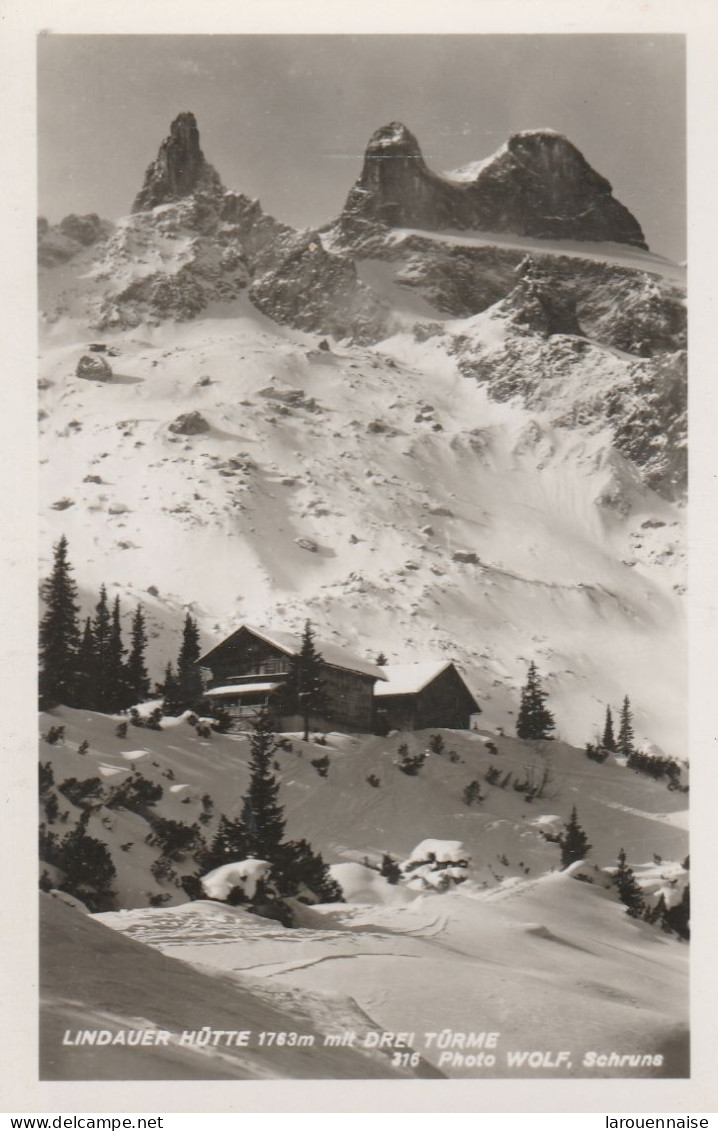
250	671
419	696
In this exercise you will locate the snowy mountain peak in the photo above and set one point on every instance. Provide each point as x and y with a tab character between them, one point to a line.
395	136
179	169
537	184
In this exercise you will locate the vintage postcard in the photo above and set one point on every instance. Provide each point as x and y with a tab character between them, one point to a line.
362	446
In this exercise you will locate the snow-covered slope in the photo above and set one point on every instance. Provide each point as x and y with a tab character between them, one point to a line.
143	1002
345	485
495	955
349	817
453	964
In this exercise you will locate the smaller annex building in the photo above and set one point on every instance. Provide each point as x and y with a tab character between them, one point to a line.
418	696
250	673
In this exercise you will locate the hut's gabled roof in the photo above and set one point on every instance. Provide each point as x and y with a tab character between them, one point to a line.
410	679
291	645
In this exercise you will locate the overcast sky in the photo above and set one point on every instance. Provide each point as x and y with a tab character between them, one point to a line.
286	118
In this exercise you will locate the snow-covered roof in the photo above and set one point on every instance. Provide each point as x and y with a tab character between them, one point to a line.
409	679
291	644
240	689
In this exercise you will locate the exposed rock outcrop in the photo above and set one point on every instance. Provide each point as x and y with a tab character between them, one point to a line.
179	169
304	285
538	184
536	304
93	367
189	424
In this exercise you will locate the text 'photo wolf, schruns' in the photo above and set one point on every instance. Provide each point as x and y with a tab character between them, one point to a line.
362	671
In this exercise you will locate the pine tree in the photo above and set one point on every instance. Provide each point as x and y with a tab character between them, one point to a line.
86	667
169	689
534	719
301	871
262	815
189	680
624	744
101	632
389	869
629	891
305	681
229	844
117	690
573	841
138	682
59	633
381	660
608	742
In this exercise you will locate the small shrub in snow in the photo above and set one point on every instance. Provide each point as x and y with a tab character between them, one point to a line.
301	872
203	730
192	887
173	838
83	794
54	735
159	899
121	730
490	748
162	869
596	753
374	780
136	793
436	744
506	780
284	744
154	719
472	793
47	778
492	775
321	765
52	808
410	763
207	809
83	747
390	870
655	767
320	739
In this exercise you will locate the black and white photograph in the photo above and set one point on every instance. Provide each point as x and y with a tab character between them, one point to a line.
363	673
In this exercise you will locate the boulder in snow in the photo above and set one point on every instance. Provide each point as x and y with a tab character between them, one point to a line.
436	864
189	424
93	367
244	874
307	544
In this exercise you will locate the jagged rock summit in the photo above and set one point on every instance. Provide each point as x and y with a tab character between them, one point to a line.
179	169
538	184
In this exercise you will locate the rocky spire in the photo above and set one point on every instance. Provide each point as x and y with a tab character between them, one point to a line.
179	168
537	184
